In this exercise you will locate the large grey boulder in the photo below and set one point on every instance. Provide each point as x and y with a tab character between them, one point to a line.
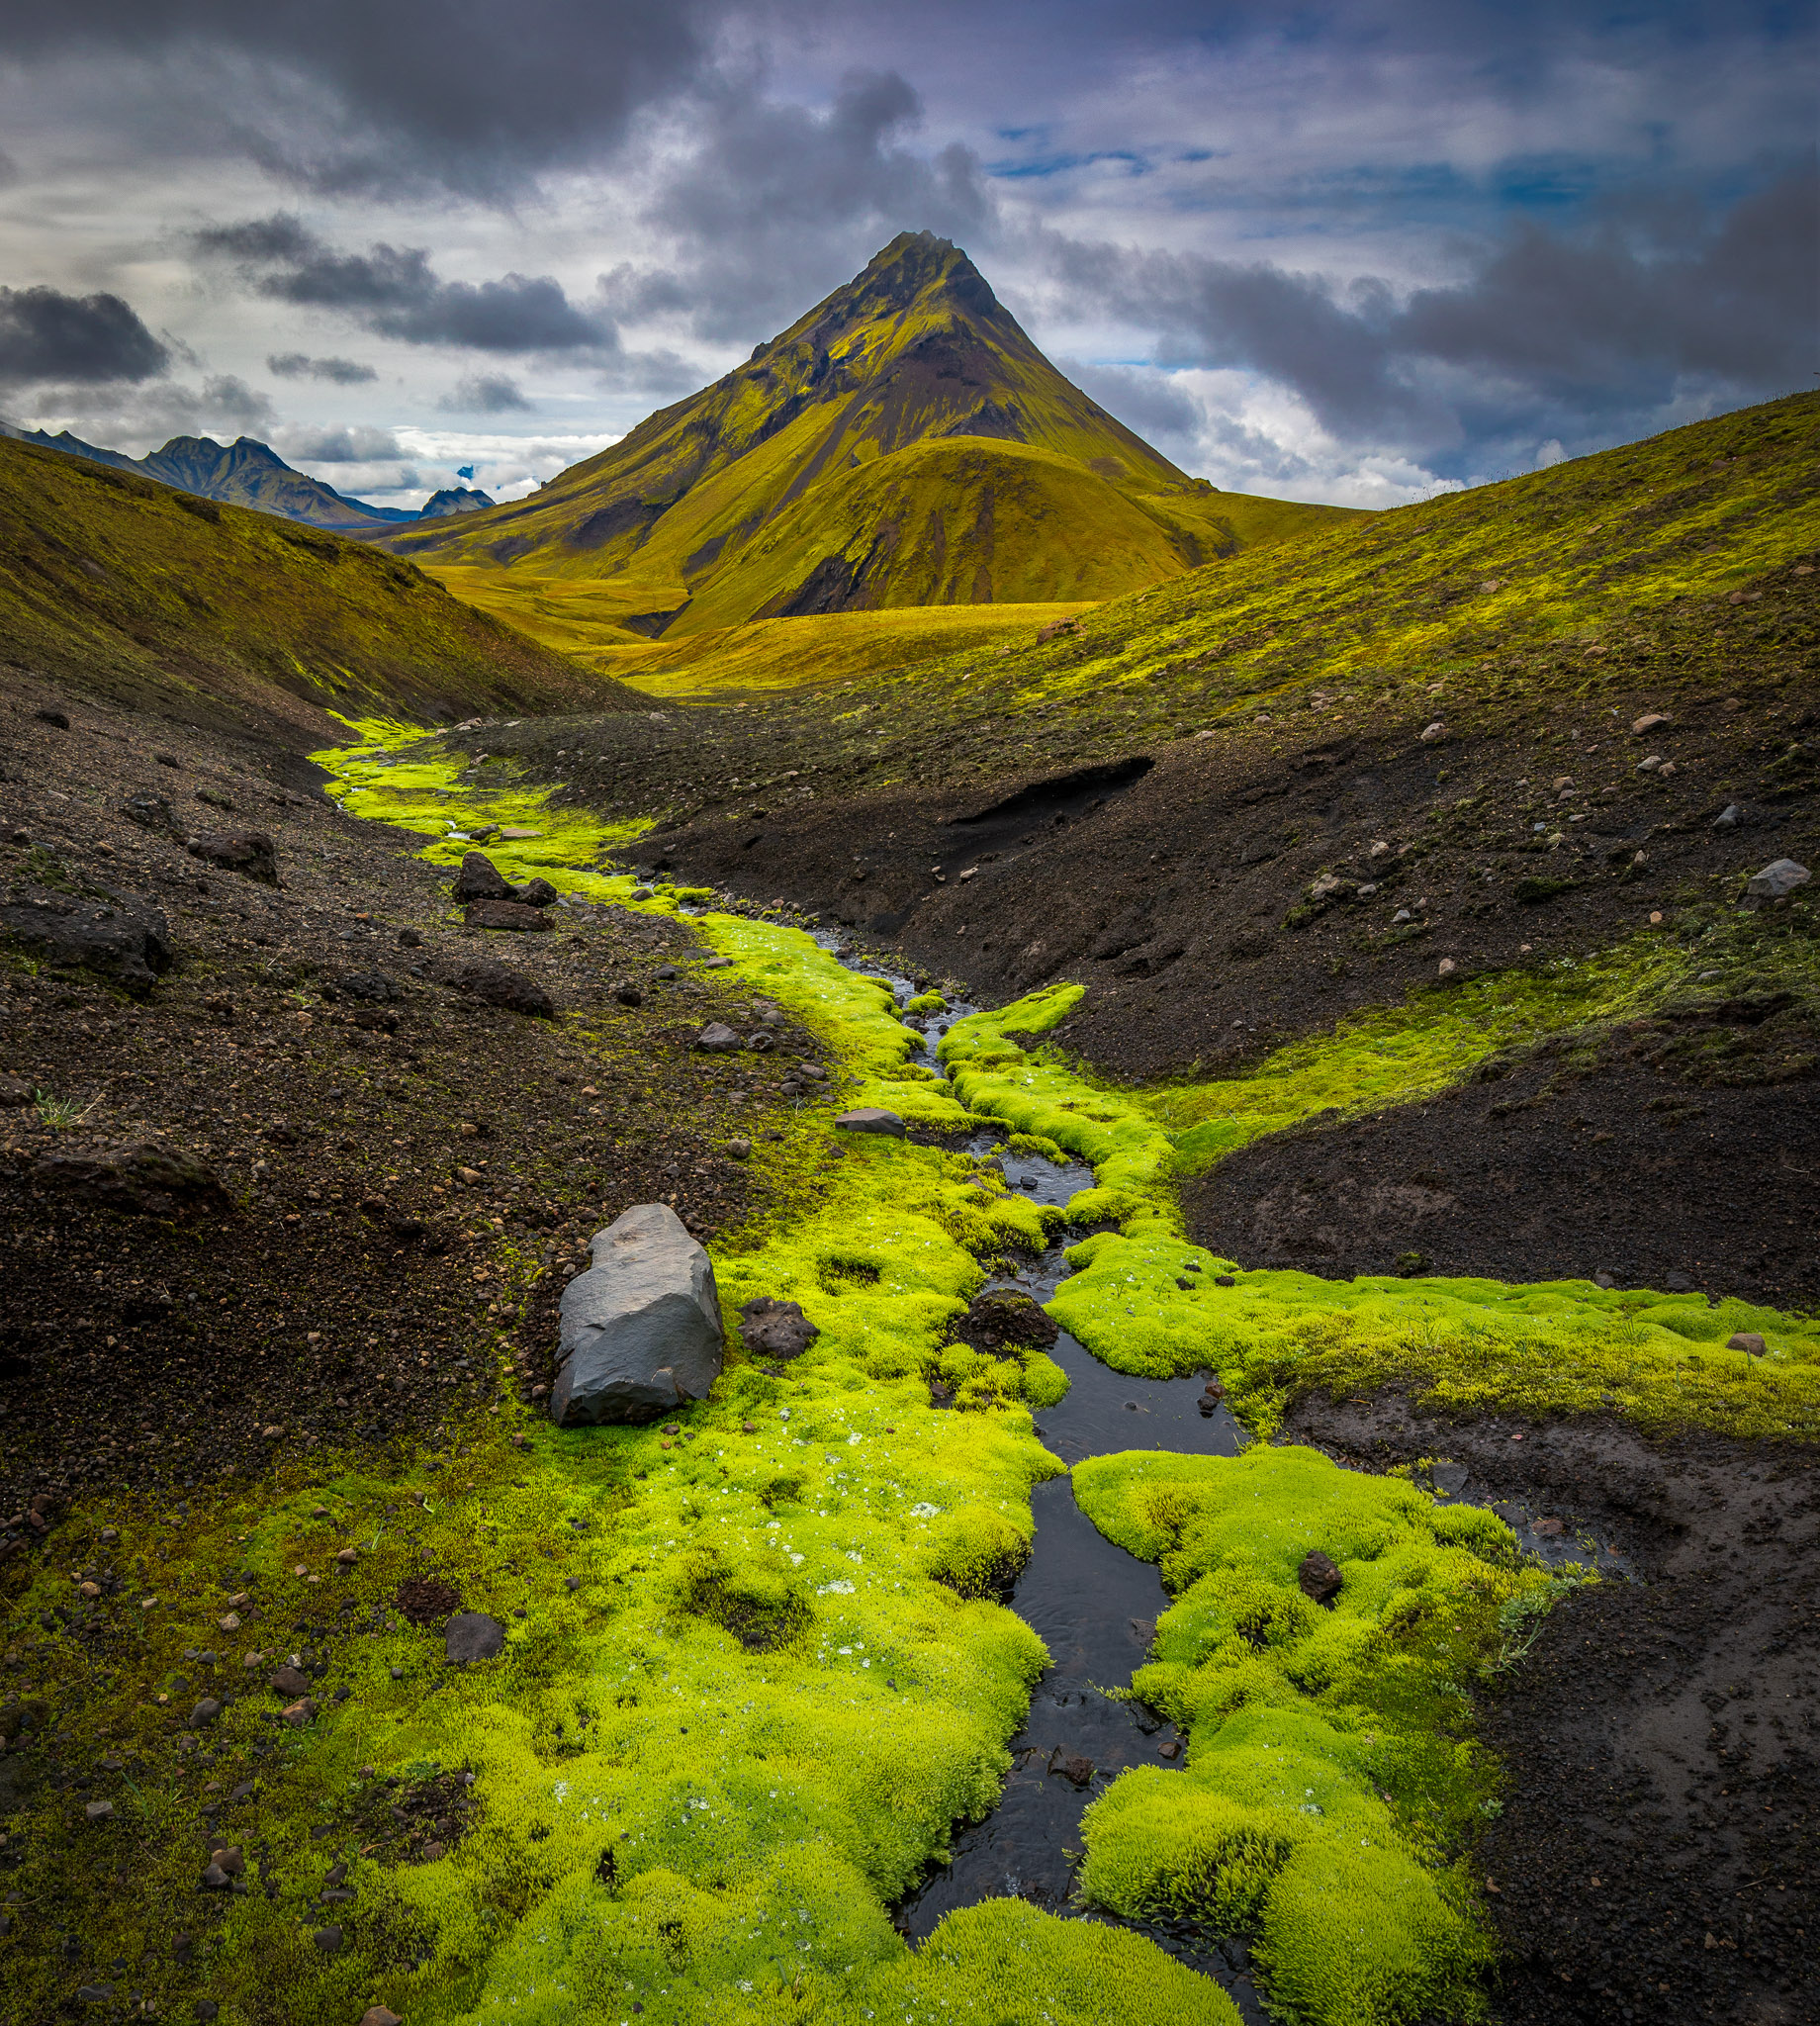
641	1330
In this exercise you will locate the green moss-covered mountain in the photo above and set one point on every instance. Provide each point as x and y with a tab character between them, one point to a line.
147	596
904	443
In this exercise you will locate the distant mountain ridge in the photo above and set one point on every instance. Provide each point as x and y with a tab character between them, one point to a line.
904	443
249	473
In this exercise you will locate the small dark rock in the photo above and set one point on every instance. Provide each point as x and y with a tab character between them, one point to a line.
1224	1280
1071	1765
629	995
127	941
1320	1577
289	1682
207	2008
329	1940
717	1038
497	984
503	915
409	939
152	812
536	893
250	853
770	1327
481	880
206	1711
1747	1340
369	988
50	716
215	1879
1004	1316
473	1635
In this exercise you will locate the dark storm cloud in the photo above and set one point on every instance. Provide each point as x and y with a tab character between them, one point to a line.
774	205
348	94
300	366
483	394
1602	323
45	334
394	291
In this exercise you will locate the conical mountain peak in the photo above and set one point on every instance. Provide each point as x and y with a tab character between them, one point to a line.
903	442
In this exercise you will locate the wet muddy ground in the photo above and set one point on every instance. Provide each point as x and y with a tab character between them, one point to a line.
1657	1856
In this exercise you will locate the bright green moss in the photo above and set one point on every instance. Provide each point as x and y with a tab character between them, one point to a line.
1566	1347
1331	1787
706	1769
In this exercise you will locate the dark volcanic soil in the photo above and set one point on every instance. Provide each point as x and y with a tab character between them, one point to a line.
1688	1143
1658	1854
298	1258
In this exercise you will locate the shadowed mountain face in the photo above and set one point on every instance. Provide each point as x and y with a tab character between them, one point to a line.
904	443
246	473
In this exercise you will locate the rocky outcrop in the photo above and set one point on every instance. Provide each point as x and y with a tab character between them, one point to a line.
640	1333
141	1180
250	853
127	941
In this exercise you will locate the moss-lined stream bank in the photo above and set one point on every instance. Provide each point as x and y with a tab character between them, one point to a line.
759	1678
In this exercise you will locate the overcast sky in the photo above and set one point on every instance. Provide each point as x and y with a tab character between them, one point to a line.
1343	252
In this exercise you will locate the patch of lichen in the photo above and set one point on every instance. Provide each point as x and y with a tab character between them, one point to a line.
1333	1788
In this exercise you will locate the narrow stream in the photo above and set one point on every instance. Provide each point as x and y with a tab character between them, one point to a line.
1094	1606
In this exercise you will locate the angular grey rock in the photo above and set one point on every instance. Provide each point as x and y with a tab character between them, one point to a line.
1728	817
473	1635
641	1330
869	1117
770	1327
206	1711
481	880
1778	879
717	1038
250	853
536	893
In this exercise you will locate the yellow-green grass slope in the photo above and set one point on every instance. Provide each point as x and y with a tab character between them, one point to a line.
116	587
1598	583
579	618
903	443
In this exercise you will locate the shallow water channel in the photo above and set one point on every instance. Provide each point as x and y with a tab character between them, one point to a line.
1094	1606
